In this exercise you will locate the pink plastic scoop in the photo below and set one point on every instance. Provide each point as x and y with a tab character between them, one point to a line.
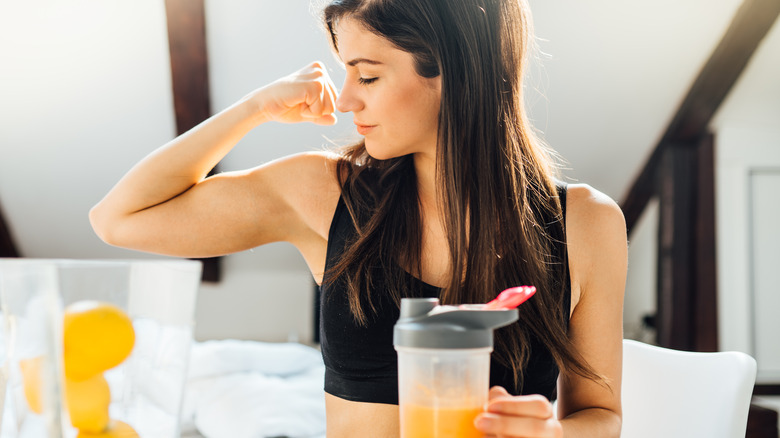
511	298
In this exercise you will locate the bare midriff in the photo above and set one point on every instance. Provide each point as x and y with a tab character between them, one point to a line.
348	419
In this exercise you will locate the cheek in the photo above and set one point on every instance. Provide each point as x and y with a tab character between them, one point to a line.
416	107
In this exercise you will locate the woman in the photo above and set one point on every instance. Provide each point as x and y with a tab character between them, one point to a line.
449	194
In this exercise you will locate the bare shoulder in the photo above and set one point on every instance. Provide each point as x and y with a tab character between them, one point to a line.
312	170
305	182
311	165
592	208
596	233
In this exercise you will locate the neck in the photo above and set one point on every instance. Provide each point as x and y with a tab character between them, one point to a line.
425	170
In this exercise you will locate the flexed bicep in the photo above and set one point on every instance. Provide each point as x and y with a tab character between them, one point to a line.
233	211
164	204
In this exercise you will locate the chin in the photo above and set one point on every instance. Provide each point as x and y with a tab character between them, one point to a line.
378	152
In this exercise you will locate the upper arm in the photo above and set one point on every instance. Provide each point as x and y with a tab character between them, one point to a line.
290	199
597	244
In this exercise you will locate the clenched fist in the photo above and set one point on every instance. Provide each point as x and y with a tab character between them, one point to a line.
308	95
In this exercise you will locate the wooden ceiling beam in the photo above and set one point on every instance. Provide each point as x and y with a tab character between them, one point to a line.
189	62
750	24
748	28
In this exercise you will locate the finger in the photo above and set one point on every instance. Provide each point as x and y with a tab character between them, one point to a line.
330	97
331	84
314	105
326	120
326	102
317	65
535	406
497	392
313	68
322	109
526	427
333	89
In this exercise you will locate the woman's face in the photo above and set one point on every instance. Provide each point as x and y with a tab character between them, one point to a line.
395	109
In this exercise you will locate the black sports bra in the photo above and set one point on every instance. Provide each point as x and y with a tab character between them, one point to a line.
361	362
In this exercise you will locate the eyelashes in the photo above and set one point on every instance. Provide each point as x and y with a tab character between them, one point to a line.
366	81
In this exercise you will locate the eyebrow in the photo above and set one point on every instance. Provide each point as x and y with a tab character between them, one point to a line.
357	61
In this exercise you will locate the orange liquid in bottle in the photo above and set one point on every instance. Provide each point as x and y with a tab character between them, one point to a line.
427	422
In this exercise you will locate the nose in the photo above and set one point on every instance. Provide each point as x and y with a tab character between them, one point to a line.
348	100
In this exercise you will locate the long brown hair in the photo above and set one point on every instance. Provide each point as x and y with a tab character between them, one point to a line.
493	175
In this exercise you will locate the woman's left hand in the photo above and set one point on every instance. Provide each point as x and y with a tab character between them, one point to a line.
523	416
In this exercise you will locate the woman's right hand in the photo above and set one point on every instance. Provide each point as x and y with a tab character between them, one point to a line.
308	95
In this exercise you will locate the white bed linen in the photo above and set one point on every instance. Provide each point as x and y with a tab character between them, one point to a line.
248	389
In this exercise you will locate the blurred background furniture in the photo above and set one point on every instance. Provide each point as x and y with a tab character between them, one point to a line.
670	393
762	422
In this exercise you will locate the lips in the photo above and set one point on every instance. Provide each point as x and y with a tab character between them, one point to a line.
364	129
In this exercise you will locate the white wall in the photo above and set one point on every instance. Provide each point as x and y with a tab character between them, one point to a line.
85	92
641	290
747	146
747	136
614	74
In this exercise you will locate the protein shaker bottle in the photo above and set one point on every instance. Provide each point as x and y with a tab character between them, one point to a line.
444	366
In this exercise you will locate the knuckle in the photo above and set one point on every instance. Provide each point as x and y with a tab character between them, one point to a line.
319	89
313	89
496	392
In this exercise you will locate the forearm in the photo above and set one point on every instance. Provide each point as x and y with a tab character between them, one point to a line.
178	165
593	422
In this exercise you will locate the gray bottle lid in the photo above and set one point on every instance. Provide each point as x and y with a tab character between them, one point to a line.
426	324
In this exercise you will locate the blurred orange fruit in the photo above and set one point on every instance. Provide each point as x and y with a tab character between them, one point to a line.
87	402
97	336
31	378
116	429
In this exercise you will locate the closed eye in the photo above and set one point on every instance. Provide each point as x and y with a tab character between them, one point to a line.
366	81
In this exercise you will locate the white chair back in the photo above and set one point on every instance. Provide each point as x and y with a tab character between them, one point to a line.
669	394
